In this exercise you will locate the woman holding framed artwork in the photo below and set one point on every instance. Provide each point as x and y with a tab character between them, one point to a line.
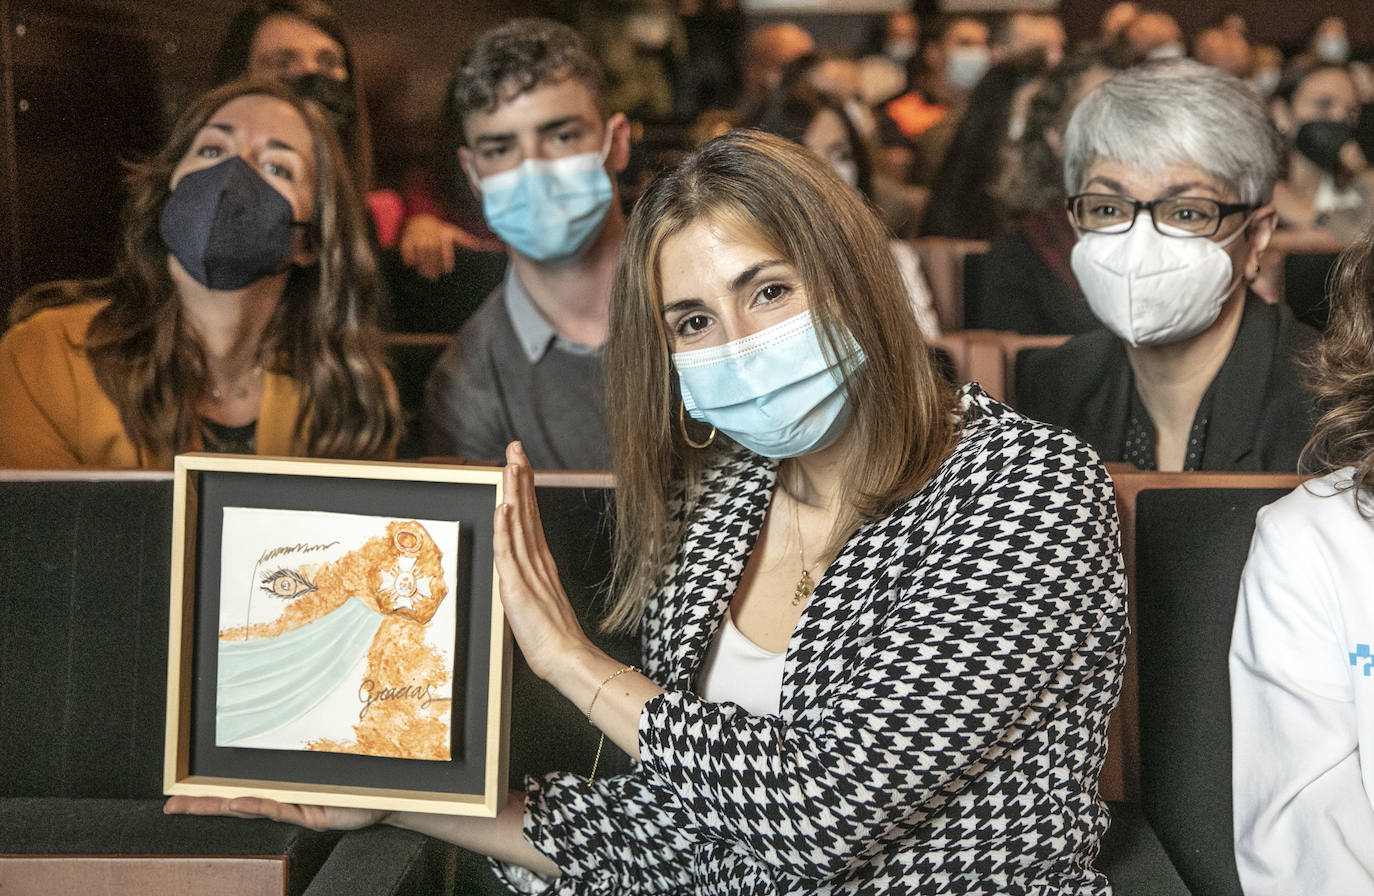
882	621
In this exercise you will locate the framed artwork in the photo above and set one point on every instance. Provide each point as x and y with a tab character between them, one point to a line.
336	635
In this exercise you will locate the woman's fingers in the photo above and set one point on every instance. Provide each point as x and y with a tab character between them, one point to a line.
532	526
531	550
320	818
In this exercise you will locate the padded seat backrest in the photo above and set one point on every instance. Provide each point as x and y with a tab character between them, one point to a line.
84	584
1305	285
411	358
1190	548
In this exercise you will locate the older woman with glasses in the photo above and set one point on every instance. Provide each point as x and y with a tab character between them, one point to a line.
1170	169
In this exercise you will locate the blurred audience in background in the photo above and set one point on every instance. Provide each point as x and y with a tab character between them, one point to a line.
768	51
1327	184
951	125
953	59
1114	20
815	120
1027	284
962	203
1224	48
1151	34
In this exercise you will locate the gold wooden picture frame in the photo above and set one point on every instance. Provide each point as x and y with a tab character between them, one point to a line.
209	489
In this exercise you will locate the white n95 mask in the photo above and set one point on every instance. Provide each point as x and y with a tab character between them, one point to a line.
1153	289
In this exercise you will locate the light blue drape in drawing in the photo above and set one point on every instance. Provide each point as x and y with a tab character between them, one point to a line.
267	682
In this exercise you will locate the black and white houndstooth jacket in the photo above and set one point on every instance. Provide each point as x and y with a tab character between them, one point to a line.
944	705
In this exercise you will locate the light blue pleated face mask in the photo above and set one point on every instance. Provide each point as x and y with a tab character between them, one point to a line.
772	392
550	209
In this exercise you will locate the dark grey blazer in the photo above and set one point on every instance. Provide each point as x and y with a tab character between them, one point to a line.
1261	414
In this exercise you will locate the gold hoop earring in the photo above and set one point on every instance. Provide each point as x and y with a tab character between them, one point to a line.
682	425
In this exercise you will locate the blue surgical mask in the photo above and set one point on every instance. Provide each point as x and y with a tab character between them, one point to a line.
772	392
550	209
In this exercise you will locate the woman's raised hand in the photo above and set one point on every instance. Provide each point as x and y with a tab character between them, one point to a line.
540	616
317	818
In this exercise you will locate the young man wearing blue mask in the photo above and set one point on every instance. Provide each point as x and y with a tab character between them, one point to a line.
541	152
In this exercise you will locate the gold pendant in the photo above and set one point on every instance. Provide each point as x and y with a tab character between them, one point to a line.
804	588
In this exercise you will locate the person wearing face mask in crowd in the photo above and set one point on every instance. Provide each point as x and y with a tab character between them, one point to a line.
1170	168
1152	34
236	321
1328	42
885	71
541	151
1266	69
818	122
1327	185
866	669
954	58
303	44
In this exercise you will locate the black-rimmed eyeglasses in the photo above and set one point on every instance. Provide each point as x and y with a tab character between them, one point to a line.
1184	216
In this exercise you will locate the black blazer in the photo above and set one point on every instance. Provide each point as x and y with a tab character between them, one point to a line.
1261	414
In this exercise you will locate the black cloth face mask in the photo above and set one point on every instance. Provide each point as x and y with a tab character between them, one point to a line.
1321	141
227	226
334	97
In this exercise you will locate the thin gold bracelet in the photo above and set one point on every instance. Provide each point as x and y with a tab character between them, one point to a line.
601	743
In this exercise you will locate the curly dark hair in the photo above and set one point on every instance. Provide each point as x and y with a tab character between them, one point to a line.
1342	372
514	59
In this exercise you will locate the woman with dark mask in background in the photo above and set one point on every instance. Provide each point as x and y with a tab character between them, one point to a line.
241	317
302	44
1325	192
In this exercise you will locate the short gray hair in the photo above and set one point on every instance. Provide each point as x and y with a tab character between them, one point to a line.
1176	112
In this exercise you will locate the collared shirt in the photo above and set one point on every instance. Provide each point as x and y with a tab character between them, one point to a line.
532	329
508	375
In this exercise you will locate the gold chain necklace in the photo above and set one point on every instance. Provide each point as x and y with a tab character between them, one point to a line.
805	585
239	388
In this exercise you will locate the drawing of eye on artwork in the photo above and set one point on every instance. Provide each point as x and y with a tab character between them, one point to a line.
336	633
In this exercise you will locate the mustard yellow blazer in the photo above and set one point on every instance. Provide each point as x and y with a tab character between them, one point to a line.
54	415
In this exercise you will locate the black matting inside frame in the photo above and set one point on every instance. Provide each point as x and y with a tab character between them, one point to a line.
471	505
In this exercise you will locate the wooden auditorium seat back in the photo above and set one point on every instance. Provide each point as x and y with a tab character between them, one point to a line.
942	261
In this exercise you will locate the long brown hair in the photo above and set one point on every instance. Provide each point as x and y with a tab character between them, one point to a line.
903	424
1342	373
324	333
